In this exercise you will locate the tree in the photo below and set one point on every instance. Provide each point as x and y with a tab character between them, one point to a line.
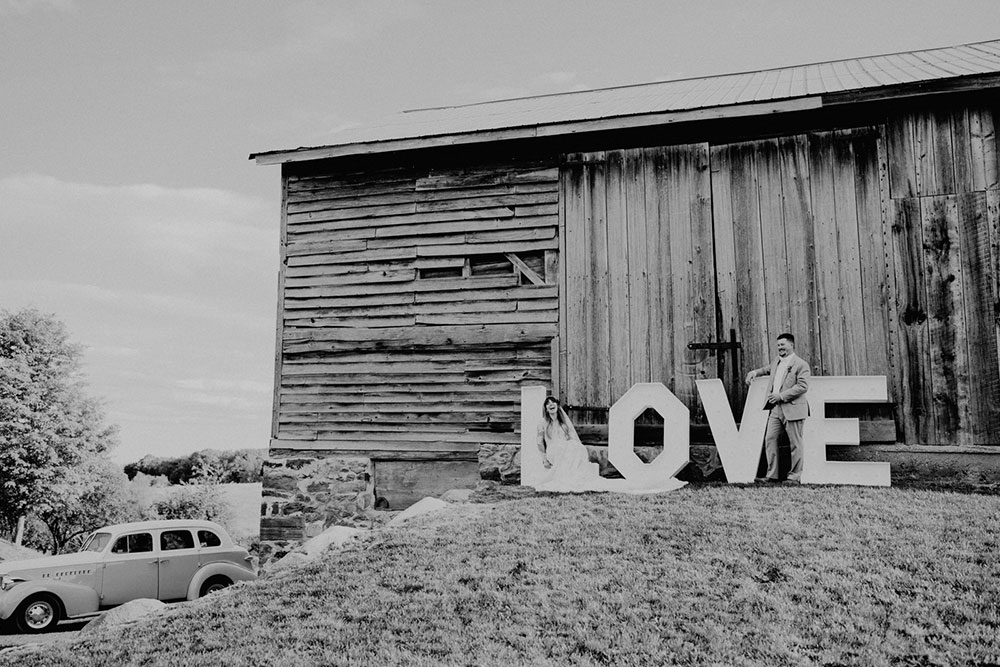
88	496
176	470
208	466
238	466
48	424
192	501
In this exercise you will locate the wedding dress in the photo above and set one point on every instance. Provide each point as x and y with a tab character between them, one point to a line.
571	467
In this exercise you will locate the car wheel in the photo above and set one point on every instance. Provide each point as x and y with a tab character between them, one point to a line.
213	584
39	613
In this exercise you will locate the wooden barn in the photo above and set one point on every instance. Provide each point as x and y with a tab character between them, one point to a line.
433	264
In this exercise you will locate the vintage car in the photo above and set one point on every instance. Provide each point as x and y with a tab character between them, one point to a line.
162	560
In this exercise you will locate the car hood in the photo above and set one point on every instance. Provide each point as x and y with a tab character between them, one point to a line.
47	562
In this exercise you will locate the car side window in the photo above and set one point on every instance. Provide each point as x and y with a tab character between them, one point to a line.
176	539
131	544
96	542
207	538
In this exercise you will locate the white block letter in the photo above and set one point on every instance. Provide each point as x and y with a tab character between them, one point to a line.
532	399
676	435
739	451
818	431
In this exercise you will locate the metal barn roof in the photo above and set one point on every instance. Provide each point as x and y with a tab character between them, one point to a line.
746	93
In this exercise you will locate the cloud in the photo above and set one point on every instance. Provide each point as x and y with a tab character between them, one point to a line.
114	351
244	395
227	401
556	78
307	34
146	237
161	286
24	7
210	385
312	28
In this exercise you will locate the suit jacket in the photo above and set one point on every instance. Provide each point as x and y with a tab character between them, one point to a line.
793	405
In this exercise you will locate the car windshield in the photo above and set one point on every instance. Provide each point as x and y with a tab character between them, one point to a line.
96	542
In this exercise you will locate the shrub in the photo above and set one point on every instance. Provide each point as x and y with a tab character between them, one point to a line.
192	501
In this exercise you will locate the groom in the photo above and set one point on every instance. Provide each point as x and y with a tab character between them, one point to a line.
788	407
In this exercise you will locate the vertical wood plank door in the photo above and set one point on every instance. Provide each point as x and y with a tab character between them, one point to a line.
943	216
946	253
638	271
800	245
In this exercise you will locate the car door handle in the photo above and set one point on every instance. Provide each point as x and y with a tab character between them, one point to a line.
164	560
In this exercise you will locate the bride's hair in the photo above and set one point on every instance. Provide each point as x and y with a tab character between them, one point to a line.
561	419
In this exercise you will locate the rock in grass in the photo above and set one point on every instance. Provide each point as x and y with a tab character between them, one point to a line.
422	506
291	559
308	551
332	536
126	613
456	495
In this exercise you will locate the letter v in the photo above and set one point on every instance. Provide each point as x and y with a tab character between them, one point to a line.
739	450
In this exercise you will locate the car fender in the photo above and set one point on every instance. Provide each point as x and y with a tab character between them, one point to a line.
76	599
230	570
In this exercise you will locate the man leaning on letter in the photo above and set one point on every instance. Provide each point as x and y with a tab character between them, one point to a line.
786	400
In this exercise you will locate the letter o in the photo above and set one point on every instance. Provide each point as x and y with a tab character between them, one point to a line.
621	433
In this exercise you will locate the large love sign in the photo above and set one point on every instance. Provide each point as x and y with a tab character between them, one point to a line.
739	447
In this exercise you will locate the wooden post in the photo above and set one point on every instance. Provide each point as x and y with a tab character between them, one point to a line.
19	535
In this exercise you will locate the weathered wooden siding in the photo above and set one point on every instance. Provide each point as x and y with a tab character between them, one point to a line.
944	179
638	270
415	302
878	248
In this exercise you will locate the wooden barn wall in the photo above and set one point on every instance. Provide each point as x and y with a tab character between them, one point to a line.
415	302
945	249
638	274
879	246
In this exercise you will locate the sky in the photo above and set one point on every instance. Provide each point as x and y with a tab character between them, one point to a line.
129	208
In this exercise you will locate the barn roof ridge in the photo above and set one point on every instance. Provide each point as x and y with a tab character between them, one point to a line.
735	94
693	78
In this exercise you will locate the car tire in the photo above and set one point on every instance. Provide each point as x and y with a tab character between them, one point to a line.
216	583
39	613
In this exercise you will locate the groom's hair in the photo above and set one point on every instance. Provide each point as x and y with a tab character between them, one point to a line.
787	336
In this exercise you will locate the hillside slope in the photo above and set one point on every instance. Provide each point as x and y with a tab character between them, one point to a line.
699	576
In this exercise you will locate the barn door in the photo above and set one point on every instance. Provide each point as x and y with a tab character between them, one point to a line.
638	274
801	247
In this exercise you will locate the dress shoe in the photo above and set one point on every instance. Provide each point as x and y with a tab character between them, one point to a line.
793	480
765	480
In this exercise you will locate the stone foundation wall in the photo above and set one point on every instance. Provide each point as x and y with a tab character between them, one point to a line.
500	463
303	493
973	469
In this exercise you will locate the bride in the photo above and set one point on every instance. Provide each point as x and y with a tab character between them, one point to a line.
566	461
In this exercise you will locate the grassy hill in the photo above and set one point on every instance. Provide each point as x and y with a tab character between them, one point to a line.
702	576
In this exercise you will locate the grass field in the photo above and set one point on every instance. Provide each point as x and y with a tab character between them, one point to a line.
710	575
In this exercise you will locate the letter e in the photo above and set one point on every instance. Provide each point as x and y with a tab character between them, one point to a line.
819	431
